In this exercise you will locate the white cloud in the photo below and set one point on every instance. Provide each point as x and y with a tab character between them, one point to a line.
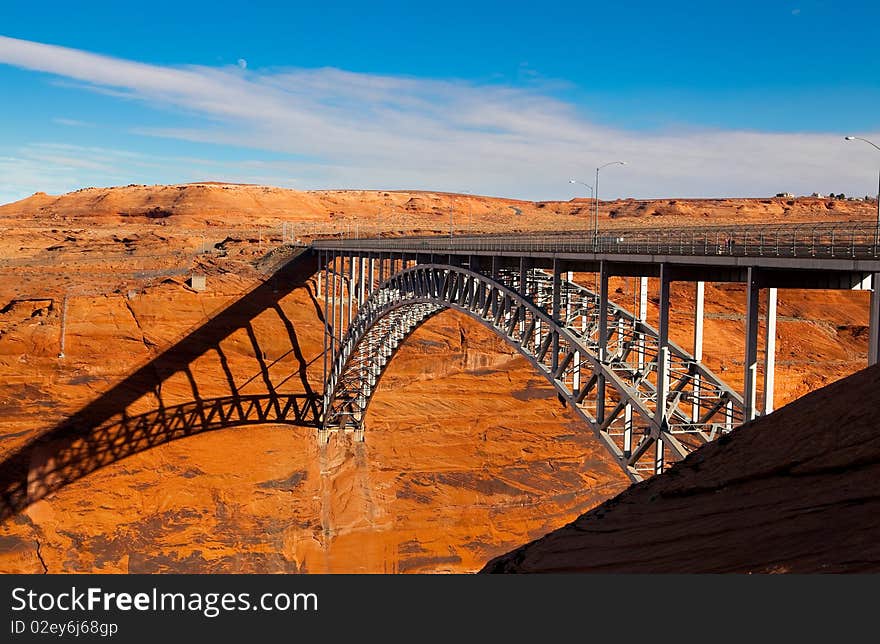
71	122
241	62
367	130
59	167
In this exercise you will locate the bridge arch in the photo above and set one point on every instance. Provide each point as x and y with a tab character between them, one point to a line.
602	360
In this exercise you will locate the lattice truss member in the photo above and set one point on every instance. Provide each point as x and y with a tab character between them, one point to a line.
610	366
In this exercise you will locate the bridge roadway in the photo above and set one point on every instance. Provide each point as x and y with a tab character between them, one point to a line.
634	388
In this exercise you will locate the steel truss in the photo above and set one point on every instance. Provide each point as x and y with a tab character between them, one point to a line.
607	364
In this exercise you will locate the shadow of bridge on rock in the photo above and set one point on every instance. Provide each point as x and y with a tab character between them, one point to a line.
106	431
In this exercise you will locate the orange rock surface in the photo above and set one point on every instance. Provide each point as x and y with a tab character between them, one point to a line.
467	454
797	491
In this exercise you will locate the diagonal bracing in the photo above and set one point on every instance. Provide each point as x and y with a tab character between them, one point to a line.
608	374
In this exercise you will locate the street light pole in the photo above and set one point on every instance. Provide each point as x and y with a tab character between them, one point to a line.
587	185
877	231
596	193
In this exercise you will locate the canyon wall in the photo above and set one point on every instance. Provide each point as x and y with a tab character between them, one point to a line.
467	454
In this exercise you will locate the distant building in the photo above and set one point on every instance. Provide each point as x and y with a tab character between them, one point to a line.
785	195
197	282
818	195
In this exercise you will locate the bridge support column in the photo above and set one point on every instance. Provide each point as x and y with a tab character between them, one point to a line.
662	366
476	290
770	352
643	317
523	290
346	284
603	340
322	270
699	305
750	376
356	280
874	325
362	281
340	301
537	333
330	308
331	313
569	278
340	293
554	312
320	274
352	284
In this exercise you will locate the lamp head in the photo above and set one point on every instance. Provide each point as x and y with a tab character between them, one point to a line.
849	138
572	181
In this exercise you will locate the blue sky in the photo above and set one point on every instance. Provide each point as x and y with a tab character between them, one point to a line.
513	98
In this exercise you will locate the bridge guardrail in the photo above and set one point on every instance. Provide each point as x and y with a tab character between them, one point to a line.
840	240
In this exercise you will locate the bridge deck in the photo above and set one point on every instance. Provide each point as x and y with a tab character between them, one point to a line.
839	247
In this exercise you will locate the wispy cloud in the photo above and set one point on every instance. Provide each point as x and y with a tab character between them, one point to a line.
365	130
59	167
71	122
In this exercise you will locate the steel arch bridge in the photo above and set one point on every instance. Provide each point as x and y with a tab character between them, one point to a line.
649	401
615	390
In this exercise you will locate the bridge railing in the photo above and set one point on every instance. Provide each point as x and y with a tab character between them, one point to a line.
843	240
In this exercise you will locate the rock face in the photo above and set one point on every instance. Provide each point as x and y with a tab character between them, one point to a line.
467	451
795	491
390	211
431	489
